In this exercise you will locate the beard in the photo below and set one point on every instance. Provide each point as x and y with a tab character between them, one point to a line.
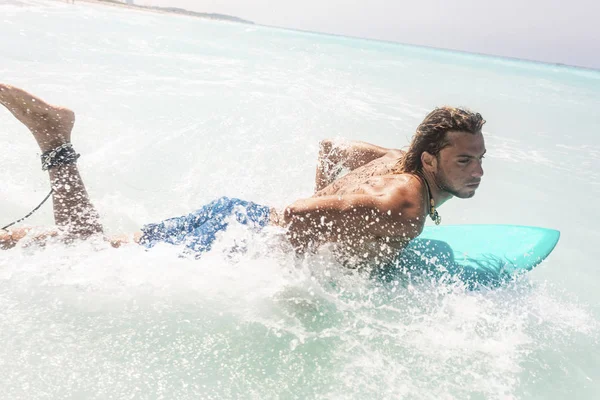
444	184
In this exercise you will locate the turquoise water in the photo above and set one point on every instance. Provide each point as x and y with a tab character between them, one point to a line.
173	112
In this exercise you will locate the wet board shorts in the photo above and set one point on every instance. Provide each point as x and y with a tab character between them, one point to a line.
198	230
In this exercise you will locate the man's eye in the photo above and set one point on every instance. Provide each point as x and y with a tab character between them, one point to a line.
466	161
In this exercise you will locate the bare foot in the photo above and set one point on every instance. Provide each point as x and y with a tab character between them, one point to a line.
50	125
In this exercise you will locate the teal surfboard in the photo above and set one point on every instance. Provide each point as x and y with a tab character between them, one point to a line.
478	254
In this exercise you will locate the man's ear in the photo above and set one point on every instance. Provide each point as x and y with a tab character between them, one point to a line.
429	161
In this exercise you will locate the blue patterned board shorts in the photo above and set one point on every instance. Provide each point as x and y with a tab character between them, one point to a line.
198	230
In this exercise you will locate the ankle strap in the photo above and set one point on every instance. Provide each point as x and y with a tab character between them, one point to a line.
62	155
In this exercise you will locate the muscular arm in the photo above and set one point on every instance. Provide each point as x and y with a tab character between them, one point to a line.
336	156
353	218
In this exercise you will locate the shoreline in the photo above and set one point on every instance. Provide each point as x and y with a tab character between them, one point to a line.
171	11
230	18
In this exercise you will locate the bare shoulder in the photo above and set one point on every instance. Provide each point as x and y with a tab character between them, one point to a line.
400	204
403	195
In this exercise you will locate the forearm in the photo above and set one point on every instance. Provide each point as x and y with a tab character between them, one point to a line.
352	219
326	219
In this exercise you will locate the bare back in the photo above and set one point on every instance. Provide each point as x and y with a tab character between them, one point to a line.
365	179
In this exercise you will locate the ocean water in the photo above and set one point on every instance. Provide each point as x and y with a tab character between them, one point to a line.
173	112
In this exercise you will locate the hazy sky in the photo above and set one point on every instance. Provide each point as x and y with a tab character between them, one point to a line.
545	30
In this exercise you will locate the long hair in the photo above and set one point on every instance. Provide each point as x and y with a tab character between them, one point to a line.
431	135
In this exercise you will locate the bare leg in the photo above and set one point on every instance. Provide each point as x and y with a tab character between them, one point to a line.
10	239
51	127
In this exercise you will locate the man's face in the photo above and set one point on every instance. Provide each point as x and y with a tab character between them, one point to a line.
458	168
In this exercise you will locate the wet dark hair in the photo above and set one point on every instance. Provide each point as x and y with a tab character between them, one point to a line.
431	135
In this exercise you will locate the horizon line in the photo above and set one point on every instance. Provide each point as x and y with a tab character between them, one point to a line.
443	49
339	35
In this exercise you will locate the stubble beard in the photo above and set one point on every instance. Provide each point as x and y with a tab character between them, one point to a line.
442	182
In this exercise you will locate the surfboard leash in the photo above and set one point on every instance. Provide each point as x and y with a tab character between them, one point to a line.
5	228
61	155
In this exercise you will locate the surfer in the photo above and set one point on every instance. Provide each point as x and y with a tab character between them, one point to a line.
370	213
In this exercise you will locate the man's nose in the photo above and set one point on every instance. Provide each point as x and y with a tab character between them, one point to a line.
478	172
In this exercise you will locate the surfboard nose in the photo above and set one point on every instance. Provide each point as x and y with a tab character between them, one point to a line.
483	251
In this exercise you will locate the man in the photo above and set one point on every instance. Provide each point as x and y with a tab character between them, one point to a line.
370	213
